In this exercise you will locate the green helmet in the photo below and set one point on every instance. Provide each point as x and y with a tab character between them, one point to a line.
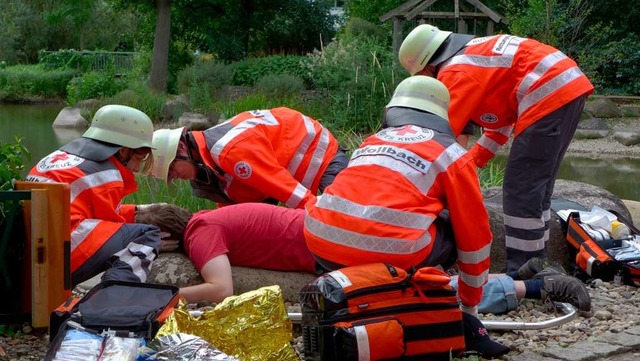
419	46
165	143
423	93
121	125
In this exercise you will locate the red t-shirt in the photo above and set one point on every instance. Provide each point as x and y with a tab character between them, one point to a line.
254	235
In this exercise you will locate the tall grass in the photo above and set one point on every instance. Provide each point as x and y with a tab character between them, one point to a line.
151	190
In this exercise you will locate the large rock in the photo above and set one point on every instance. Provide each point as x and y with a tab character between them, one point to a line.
601	107
582	193
70	117
175	268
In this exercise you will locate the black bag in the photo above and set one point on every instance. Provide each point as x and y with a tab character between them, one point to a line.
124	309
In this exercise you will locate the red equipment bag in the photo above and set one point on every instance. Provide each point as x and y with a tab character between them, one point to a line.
380	312
608	258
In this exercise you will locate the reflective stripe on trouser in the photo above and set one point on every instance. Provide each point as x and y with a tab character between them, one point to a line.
126	256
534	161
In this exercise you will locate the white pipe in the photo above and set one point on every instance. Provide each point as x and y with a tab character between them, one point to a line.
569	311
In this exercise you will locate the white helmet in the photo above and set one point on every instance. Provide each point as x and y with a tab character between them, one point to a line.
423	93
165	142
419	46
121	125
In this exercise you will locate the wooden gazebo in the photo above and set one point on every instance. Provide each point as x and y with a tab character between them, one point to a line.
462	12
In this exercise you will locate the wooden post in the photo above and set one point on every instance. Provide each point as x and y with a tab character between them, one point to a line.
48	226
39	260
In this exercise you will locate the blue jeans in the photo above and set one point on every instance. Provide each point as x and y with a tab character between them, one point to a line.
498	295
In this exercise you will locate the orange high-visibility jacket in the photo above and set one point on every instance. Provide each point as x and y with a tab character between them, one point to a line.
97	190
504	83
382	207
277	153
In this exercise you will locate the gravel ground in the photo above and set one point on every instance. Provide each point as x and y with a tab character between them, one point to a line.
615	308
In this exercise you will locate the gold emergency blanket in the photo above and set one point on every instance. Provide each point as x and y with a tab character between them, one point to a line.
251	326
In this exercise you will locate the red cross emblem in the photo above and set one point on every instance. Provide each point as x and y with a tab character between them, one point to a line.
243	171
59	156
407	129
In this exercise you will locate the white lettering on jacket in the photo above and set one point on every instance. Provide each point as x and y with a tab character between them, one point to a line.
405	134
405	156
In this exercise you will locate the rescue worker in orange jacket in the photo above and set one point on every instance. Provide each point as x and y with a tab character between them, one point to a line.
508	84
99	169
391	202
269	155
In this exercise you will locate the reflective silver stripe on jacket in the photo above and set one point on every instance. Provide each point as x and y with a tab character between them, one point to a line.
93	180
504	60
374	213
266	118
474	281
318	154
422	180
474	257
489	144
81	232
296	196
365	242
549	87
543	66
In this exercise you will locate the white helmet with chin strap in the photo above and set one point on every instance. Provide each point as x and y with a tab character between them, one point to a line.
165	142
426	44
423	93
121	125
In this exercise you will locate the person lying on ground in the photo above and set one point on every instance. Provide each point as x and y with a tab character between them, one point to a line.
265	236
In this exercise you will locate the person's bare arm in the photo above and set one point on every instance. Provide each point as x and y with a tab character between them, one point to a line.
218	283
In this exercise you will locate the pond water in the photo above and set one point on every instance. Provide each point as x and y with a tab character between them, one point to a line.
32	123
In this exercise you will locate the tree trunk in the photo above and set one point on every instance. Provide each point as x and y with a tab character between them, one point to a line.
160	59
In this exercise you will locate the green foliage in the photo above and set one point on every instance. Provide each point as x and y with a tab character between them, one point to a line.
280	86
94	85
360	78
63	59
139	96
370	10
491	175
614	67
357	28
151	190
12	161
27	83
248	71
204	82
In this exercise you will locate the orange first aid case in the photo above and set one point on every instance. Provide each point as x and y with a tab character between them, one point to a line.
605	259
381	312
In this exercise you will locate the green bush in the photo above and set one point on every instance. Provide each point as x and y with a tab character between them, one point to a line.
139	96
13	157
94	85
248	71
357	28
204	82
280	86
64	59
360	78
26	83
